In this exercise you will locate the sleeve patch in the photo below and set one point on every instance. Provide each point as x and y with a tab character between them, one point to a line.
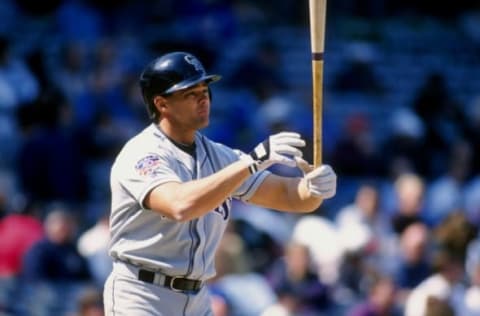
147	165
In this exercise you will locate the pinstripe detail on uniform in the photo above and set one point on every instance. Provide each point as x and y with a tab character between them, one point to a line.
113	295
185	306
192	247
203	161
203	252
209	156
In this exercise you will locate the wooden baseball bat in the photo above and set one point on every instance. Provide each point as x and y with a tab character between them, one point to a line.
317	10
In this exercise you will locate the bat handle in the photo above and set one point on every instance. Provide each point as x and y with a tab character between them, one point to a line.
317	66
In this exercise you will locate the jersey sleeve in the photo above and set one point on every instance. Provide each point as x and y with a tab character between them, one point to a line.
140	174
248	187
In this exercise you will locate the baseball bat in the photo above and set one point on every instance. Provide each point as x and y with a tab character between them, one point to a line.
317	9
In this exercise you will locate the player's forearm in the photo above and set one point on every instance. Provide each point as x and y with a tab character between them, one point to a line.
195	198
299	197
285	194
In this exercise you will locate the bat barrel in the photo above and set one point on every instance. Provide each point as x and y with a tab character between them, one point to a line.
317	10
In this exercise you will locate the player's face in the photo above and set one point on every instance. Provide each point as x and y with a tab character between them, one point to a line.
189	108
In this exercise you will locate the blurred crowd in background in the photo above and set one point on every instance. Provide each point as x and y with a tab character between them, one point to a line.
401	127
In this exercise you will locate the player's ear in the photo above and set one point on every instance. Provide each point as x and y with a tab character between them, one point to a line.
159	102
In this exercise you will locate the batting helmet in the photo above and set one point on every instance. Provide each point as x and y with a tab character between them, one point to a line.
169	73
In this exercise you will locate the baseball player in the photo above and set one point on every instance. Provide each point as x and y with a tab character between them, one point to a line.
172	189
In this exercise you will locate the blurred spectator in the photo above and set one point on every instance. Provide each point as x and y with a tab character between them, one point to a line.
234	278
55	258
129	110
79	21
410	191
358	74
17	83
439	286
90	302
380	300
455	232
277	226
356	152
472	133
294	271
445	193
206	23
403	147
279	113
362	225
472	200
438	307
233	287
69	70
259	71
366	238
93	246
260	243
471	300
103	86
431	98
411	265
470	23
355	270
320	236
51	162
287	304
18	232
442	116
219	304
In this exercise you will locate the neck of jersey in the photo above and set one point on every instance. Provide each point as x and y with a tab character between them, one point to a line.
188	148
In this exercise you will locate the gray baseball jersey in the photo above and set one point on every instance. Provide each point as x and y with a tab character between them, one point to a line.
148	239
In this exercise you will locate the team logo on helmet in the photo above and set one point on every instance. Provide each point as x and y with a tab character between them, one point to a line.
195	63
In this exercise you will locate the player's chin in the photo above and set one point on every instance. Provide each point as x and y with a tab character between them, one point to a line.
204	122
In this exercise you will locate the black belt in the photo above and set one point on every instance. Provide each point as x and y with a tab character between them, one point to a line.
177	284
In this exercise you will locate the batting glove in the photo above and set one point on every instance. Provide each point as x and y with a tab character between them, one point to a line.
279	148
321	181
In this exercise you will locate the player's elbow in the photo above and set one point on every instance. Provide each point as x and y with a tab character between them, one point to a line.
179	215
182	212
308	206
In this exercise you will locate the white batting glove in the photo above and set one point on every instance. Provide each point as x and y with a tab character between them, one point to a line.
321	181
279	148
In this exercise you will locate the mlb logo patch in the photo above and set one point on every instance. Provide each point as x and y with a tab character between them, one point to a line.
147	165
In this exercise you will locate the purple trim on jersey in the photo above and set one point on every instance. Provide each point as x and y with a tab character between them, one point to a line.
251	185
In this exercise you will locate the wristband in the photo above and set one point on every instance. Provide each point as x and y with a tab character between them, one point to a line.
252	164
253	168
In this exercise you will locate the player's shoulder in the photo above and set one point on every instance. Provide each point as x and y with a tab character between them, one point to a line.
149	141
220	150
212	145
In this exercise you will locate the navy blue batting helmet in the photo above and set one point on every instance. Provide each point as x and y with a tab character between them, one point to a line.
169	73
